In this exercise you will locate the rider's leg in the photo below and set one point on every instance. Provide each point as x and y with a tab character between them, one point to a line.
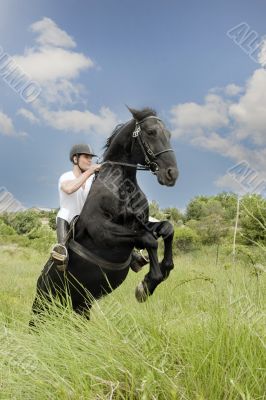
59	251
62	228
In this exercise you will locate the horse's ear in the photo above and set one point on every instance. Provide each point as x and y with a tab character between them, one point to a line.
133	112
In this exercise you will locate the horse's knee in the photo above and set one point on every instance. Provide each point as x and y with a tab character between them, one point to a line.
147	241
153	244
166	230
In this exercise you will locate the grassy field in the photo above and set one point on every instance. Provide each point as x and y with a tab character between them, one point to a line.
200	336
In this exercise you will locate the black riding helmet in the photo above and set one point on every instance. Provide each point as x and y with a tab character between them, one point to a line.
81	149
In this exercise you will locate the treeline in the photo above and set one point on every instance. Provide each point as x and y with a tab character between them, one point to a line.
210	220
29	228
207	220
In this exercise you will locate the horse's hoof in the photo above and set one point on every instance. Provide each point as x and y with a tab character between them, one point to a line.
141	293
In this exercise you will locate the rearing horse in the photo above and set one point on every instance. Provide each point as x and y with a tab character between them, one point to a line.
115	219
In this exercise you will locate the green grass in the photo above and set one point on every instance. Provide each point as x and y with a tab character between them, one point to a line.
200	336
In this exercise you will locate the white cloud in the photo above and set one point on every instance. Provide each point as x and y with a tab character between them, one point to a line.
7	127
76	121
57	68
234	127
53	64
225	146
63	92
193	118
50	64
28	115
229	183
50	34
232	90
262	53
249	112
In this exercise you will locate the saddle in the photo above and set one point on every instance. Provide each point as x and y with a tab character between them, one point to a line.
60	257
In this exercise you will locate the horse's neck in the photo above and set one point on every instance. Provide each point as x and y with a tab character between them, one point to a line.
121	148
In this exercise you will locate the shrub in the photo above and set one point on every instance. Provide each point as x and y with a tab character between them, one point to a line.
52	219
23	222
253	219
211	229
42	238
185	239
5	229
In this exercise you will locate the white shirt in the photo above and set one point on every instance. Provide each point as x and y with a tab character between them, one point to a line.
72	204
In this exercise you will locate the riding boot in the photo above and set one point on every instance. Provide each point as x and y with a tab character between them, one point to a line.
138	261
59	252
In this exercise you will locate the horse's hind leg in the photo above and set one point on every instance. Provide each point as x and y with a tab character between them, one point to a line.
40	303
49	284
83	309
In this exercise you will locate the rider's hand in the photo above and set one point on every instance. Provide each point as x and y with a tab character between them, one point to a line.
95	167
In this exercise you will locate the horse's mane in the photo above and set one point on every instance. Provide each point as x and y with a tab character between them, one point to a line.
113	135
138	116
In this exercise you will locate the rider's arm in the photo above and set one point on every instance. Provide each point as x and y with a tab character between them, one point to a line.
71	186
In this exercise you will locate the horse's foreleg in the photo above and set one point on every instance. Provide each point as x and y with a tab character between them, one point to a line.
154	276
166	231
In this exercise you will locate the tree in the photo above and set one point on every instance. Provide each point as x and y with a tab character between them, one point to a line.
253	219
210	229
212	207
52	219
195	208
155	211
23	222
5	229
173	214
228	201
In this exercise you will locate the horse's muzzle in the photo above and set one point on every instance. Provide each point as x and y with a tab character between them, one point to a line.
167	176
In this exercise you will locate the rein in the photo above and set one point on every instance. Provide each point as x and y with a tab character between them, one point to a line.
139	167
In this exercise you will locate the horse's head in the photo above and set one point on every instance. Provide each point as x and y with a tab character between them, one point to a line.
153	139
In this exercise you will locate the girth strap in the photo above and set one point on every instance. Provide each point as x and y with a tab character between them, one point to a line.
89	256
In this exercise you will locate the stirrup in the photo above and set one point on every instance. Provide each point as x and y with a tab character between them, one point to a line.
138	261
146	258
59	253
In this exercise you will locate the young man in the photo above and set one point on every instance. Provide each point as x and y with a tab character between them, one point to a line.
74	187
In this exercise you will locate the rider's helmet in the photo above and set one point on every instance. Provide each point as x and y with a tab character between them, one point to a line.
81	149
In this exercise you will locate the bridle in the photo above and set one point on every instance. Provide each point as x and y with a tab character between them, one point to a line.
149	155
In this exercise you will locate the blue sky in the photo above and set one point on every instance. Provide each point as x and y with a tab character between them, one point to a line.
90	58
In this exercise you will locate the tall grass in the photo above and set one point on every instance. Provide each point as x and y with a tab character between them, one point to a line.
200	336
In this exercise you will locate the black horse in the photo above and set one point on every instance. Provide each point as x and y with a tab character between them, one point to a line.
115	219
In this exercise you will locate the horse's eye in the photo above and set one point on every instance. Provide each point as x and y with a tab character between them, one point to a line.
151	132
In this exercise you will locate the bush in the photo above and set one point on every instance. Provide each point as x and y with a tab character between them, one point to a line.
42	245
42	238
42	232
185	239
253	219
52	219
210	229
23	222
6	230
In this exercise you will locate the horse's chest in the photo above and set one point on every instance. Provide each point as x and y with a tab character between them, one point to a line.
133	204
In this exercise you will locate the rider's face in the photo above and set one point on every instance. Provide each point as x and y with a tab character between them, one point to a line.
85	161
